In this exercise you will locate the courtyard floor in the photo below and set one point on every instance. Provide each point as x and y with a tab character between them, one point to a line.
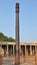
24	60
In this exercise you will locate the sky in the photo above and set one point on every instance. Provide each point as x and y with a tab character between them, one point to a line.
27	19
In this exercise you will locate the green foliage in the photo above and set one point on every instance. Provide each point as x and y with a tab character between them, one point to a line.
5	38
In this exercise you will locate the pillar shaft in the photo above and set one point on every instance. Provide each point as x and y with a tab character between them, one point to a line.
13	49
25	49
35	55
0	49
17	35
7	50
35	51
20	49
30	50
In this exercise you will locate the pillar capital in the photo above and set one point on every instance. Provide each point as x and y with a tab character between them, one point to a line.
17	7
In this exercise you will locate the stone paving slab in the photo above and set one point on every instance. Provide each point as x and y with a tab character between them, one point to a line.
27	60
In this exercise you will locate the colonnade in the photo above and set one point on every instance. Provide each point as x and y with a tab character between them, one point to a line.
24	49
30	50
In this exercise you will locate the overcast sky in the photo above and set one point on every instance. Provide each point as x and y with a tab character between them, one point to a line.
27	19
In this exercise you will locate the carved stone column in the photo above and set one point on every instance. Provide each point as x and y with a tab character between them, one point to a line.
35	54
25	50
7	50
20	49
0	49
30	50
35	50
13	49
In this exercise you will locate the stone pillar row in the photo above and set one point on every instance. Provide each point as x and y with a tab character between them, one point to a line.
8	49
31	51
25	50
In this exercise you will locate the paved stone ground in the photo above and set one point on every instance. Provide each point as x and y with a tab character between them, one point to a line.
24	60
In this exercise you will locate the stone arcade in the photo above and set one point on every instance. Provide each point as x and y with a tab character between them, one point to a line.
9	48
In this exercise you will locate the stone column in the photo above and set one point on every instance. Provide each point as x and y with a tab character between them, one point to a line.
10	50
25	50
35	51
20	49
0	49
13	49
30	50
17	36
35	54
7	50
